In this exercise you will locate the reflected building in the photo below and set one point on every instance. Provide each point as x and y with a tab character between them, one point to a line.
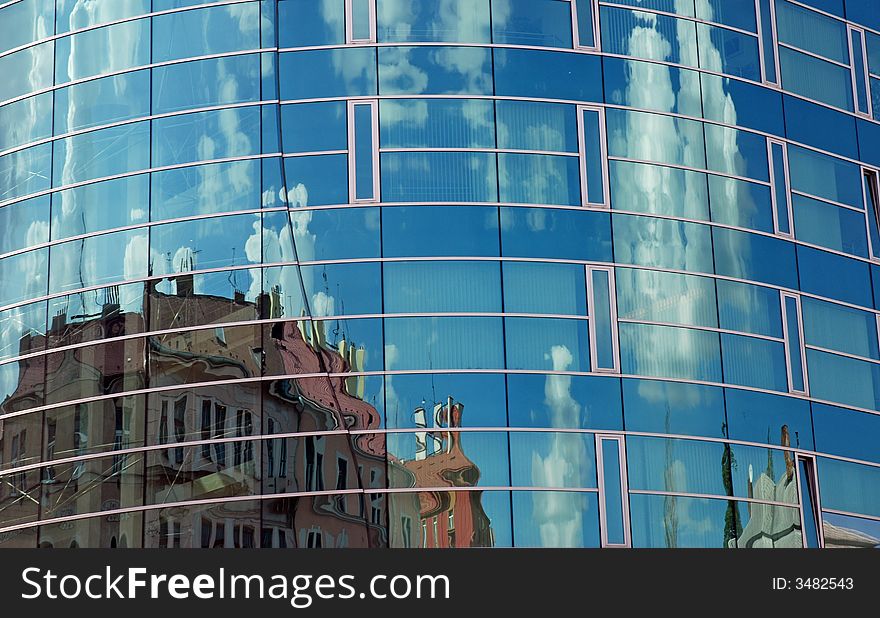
257	257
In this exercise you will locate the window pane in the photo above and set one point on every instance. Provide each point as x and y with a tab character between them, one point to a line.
525	125
652	137
552	75
26	71
539	179
812	31
556	460
654	189
25	121
100	206
441	287
543	23
754	362
670	352
25	171
635	83
749	308
436	123
363	152
742	204
412	231
544	288
826	225
556	234
313	127
204	83
834	276
456	21
205	189
662	243
648	35
317	23
837	327
435	70
575	522
327	73
614	498
758	258
816	79
443	343
206	136
770	419
206	31
102	153
825	176
102	101
438	177
564	401
726	51
317	180
24	224
551	344
480	398
708	523
653	296
98	260
654	406
849	487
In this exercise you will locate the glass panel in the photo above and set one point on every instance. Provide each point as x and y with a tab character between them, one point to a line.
794	342
24	224
100	206
360	20
834	276
554	460
479	399
25	22
556	234
758	258
526	125
872	210
105	50
651	137
768	41
551	344
539	179
206	136
858	65
768	526
736	13
328	73
73	15
318	23
780	187
205	189
735	152
363	152
811	529
593	157
770	419
317	180
552	75
443	343
825	176
26	120
97	314
648	35
189	300
603	319
26	171
654	189
318	233
749	308
455	21
412	231
613	504
438	177
313	127
844	380
542	23
203	83
674	522
564	401
756	107
816	79
208	31
544	288
670	352
23	276
441	287
102	101
742	204
101	153
449	458
19	330
98	260
84	486
335	289
437	123
654	406
754	362
662	243
674	465
653	296
26	71
486	513
585	26
636	84
435	70
840	431
812	31
849	487
841	328
556	519
847	532
726	51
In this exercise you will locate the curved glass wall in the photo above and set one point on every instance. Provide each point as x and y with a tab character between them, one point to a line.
370	273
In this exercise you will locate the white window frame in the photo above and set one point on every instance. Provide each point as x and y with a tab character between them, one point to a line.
575	28
612	299
373	104
810	460
624	490
349	24
873	252
850	29
787	342
774	180
582	156
773	37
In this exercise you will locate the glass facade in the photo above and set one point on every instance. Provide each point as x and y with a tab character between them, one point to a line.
408	273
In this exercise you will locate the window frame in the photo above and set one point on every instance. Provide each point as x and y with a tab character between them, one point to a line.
870	196
624	490
812	480
850	30
352	105
786	337
773	38
593	326
603	155
349	23
575	26
786	182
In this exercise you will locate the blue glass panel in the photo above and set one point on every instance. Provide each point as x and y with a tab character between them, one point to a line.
586	27
548	344
730	52
544	23
455	21
593	157
104	50
556	234
754	362
481	396
674	465
653	296
23	276
816	79
754	257
825	176
413	231
670	352
100	206
101	153
811	31
679	7
98	260
839	530
363	152
707	524
662	243
564	401
741	204
526	125
736	13
435	70
303	23
361	28
535	287
443	343
25	22
550	459
834	276
637	84
869	132
437	123
602	320
860	11
649	36
102	101
872	41
552	75
203	189
556	519
820	127
738	153
614	499
849	487
24	224
655	189
235	79
539	179
780	188
317	180
73	14
25	171
827	225
794	343
770	419
331	289
25	121
317	233
313	127
16	324
844	380
846	432
655	406
206	31
749	308
441	287
327	73
755	107
487	454
26	71
438	177
652	137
